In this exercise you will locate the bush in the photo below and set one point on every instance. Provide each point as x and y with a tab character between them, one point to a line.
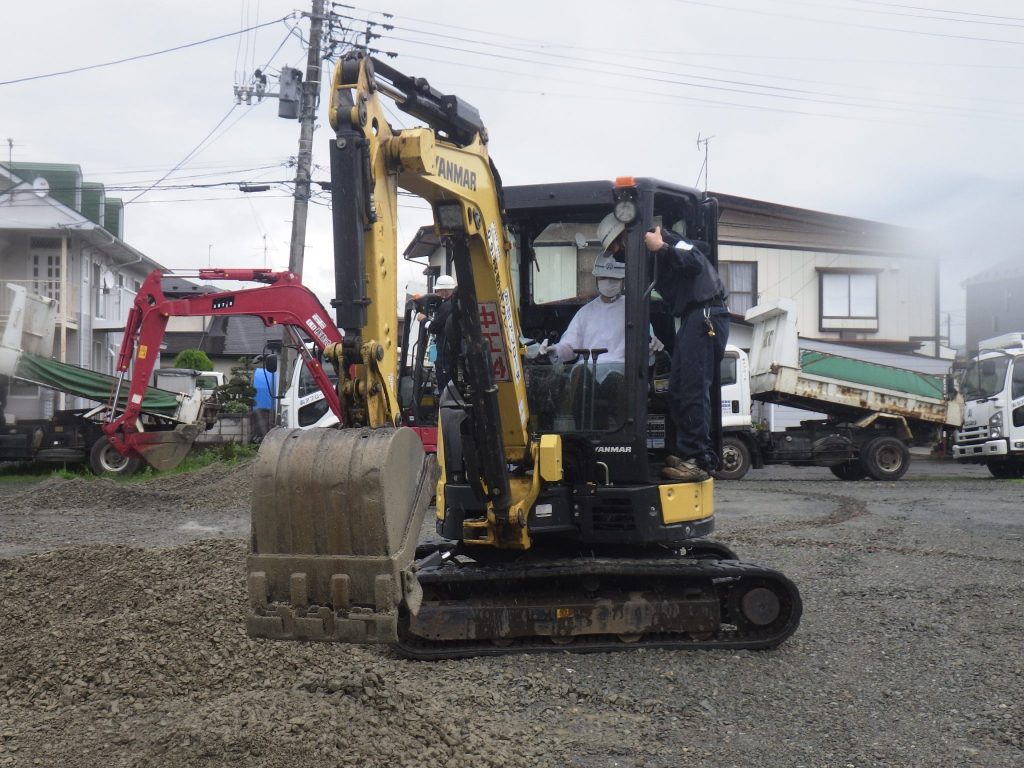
193	358
237	392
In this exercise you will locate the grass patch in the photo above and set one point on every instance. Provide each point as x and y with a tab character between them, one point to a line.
228	453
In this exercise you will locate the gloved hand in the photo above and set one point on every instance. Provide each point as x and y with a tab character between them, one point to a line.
545	347
655	345
532	348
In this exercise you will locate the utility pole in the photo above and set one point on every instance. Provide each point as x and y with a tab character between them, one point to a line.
307	119
703	143
303	171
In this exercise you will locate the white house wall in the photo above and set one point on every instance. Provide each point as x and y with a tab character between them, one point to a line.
906	287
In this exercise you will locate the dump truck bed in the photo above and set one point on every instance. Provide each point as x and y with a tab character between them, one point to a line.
783	372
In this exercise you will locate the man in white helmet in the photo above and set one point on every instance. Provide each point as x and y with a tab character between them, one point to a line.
439	325
601	323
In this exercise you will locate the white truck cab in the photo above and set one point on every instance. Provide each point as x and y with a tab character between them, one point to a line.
304	405
993	389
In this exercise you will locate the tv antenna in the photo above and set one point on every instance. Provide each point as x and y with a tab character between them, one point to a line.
703	143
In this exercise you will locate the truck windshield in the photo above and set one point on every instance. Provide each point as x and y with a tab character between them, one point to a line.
984	378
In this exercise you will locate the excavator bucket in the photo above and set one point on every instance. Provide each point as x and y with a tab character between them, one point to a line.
164	450
336	515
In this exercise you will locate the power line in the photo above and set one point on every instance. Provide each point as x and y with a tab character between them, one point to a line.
720	7
940	10
654	74
142	55
903	14
186	157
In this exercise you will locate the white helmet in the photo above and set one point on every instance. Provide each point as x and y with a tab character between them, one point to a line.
445	282
608	230
605	265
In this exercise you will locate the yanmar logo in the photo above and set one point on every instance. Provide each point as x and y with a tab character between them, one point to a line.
613	449
456	174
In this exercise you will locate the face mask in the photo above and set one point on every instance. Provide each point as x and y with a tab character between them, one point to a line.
609	286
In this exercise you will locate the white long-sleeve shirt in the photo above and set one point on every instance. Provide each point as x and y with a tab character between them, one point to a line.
597	325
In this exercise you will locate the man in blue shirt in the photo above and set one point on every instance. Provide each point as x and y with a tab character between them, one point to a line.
265	384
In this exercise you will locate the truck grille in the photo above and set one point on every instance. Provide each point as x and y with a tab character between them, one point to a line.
977	434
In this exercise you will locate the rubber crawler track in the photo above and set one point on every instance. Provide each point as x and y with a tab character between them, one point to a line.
729	577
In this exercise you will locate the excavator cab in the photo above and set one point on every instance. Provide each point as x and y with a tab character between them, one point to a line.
609	418
619	407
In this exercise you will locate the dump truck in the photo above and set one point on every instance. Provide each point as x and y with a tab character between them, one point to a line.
874	412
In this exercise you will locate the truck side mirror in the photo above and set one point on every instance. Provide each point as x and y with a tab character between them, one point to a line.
270	363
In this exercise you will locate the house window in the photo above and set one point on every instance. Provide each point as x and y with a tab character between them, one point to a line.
45	252
849	300
740	278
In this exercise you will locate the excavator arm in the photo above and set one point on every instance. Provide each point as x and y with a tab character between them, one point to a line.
446	164
282	301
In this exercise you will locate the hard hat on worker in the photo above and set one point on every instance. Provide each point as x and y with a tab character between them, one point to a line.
608	230
605	265
445	282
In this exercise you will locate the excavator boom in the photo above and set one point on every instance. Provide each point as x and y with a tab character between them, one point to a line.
283	301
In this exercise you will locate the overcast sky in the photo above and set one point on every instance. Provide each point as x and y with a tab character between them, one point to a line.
907	111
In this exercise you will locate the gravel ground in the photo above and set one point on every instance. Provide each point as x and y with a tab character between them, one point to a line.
124	645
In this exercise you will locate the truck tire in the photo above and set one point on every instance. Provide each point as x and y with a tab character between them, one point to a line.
885	458
735	459
850	470
105	460
1006	470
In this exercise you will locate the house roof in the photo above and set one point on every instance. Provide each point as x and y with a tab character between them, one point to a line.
1003	270
745	221
54	207
232	337
247	335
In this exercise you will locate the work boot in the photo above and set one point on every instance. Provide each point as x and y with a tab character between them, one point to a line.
684	471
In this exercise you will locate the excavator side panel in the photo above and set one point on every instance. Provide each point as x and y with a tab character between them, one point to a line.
335	519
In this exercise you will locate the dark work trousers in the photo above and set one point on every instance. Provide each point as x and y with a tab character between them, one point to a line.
695	357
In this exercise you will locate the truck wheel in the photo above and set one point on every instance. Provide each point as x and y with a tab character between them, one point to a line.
851	470
1006	470
105	460
735	459
885	458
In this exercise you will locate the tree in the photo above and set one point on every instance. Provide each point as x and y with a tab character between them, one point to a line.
193	358
237	392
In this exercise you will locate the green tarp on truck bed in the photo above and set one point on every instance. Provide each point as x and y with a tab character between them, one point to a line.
91	385
872	374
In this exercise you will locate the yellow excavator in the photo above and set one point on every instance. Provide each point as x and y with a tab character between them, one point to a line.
553	530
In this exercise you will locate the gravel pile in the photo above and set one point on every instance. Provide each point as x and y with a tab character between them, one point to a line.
190	490
909	654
